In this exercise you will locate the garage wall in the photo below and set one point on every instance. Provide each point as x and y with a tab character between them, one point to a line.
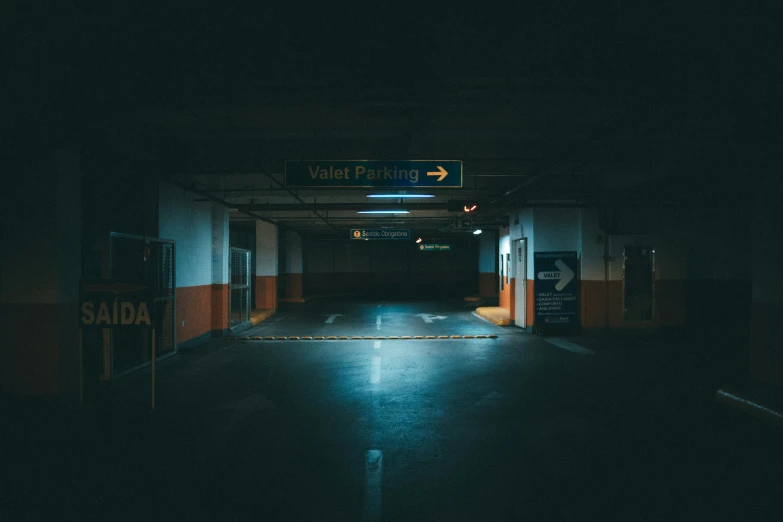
505	286
654	228
190	224
572	229
291	279
486	264
40	270
389	268
766	325
266	266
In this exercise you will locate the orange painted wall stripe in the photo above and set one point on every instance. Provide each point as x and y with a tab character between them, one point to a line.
219	307
486	285
512	297
266	292
531	303
30	357
291	286
194	306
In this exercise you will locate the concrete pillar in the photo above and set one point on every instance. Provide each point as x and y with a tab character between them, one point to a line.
40	272
766	339
266	265
487	261
291	278
220	259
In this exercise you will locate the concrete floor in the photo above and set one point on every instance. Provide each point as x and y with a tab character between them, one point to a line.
514	428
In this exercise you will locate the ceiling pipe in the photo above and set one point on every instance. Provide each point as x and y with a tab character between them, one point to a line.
224	203
312	207
272	178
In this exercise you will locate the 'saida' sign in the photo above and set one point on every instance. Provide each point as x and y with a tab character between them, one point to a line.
108	304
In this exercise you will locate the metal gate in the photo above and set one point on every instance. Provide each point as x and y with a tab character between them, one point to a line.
239	287
149	262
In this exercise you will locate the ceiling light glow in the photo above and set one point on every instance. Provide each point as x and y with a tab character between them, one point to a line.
477	232
383	212
400	196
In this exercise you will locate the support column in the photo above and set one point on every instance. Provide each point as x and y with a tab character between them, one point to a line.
266	266
291	278
40	272
766	339
220	258
487	261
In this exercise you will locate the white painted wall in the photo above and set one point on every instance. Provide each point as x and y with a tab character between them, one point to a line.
520	225
189	223
220	245
557	229
293	253
591	245
504	240
266	249
486	258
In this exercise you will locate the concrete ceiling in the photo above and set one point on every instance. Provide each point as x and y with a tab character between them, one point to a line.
545	104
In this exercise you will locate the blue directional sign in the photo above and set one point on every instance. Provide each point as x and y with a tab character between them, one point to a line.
424	247
373	173
383	233
556	288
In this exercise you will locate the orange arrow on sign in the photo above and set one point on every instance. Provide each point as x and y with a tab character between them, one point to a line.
440	172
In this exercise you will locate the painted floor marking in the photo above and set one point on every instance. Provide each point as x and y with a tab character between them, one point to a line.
429	317
332	317
373	475
375	375
376	345
569	346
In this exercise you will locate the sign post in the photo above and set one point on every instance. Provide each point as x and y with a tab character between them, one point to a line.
111	304
556	290
373	173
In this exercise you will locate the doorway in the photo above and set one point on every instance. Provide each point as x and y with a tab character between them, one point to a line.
638	283
239	287
148	262
519	251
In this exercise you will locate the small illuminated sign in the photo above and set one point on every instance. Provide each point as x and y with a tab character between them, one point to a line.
379	234
432	247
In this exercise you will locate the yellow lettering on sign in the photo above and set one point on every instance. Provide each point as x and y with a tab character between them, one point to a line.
103	314
88	315
126	317
143	315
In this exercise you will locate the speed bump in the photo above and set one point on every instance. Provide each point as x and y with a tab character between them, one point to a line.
359	337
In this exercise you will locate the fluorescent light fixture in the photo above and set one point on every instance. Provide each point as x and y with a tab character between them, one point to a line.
477	231
400	196
383	212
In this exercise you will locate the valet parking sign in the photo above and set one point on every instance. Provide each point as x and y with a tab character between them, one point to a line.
556	288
